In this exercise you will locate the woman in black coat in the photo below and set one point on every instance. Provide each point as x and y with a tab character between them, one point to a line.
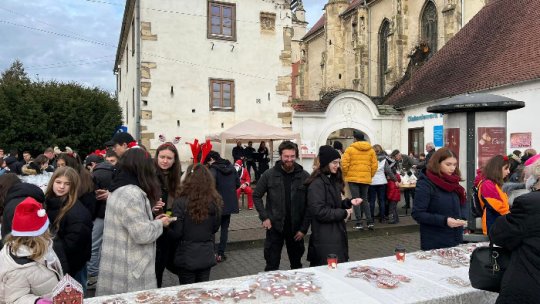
71	223
519	231
227	181
439	205
198	218
327	210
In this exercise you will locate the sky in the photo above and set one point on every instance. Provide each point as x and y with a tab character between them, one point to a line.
72	40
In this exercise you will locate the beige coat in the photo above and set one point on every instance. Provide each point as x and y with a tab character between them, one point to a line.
128	253
26	283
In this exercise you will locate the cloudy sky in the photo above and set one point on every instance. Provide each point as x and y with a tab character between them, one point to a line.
72	40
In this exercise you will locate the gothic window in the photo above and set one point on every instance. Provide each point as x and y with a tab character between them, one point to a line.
221	95
384	32
221	20
429	26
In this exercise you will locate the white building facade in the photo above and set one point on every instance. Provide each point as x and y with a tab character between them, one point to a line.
194	68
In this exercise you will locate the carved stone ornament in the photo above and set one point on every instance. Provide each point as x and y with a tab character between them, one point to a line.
268	21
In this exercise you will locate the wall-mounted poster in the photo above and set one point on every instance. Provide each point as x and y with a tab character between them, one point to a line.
451	140
520	140
308	149
491	141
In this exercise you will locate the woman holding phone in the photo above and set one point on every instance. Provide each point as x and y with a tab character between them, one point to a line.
439	205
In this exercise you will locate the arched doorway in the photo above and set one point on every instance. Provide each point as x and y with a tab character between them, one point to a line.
344	136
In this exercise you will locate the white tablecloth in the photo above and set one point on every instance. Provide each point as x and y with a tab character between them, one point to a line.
428	285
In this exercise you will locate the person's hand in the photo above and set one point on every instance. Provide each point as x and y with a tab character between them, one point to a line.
397	184
298	236
43	301
349	214
158	208
165	220
454	223
356	201
102	194
243	186
267	224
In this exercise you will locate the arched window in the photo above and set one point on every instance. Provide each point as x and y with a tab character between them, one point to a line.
429	26
383	54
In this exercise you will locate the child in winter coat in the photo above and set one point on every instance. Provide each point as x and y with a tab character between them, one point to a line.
29	268
393	195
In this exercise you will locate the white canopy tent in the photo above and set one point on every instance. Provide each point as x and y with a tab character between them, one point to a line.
254	131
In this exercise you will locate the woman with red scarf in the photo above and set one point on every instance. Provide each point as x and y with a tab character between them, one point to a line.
439	206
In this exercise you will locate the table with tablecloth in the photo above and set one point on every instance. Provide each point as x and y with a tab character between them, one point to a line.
429	284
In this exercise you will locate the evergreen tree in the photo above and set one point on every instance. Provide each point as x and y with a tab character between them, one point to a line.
37	115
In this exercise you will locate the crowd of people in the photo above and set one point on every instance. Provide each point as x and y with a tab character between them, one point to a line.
116	221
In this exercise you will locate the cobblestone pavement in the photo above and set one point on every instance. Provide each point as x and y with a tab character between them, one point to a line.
249	261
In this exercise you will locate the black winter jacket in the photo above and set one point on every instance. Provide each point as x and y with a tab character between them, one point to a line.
14	197
519	231
102	176
73	241
431	208
328	229
195	240
227	182
271	183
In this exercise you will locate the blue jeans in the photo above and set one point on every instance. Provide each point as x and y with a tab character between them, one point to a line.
82	278
361	191
97	239
377	192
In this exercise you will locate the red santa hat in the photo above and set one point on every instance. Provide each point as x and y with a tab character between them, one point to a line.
238	162
30	219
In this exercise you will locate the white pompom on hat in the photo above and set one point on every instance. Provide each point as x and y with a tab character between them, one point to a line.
30	219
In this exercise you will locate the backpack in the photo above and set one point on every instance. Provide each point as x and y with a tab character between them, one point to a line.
476	208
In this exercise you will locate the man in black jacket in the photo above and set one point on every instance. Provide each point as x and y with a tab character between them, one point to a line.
227	182
284	215
102	175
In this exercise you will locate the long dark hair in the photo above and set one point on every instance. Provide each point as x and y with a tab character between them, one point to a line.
200	191
170	181
438	157
7	181
493	169
138	163
337	178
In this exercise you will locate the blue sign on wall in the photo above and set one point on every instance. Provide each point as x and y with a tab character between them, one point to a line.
438	136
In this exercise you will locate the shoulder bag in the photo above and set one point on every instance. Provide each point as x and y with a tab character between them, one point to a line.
487	267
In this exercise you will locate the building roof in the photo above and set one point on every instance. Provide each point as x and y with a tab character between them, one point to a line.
318	26
122	40
352	6
499	46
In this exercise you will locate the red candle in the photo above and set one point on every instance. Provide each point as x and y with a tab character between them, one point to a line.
400	254
332	261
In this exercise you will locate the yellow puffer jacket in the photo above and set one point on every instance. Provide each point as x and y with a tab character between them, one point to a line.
359	163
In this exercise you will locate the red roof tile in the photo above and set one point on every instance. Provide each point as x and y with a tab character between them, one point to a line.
318	25
499	46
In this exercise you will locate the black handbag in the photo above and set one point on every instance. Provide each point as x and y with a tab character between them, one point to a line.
487	267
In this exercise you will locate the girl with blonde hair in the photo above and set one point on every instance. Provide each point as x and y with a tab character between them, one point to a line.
29	268
71	222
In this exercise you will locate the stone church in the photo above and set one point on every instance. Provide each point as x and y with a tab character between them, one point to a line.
357	53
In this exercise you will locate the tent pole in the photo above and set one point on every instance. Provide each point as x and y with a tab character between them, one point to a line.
271	152
223	145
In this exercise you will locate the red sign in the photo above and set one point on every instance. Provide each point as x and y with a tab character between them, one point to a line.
451	140
520	140
491	141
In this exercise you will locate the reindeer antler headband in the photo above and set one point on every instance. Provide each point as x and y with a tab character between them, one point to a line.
196	148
